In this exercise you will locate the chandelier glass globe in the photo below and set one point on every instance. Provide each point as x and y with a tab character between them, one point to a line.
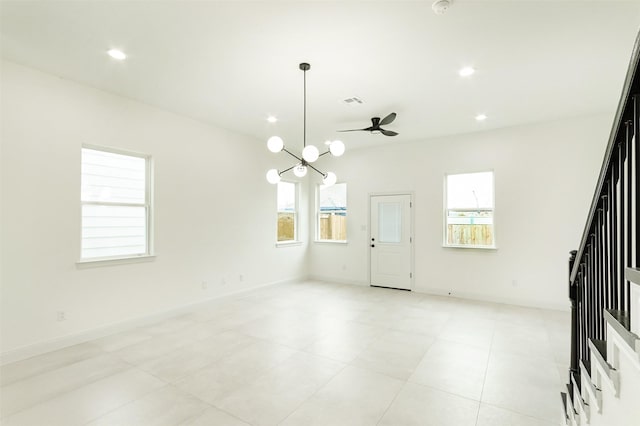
329	179
336	148
310	153
273	176
300	170
275	144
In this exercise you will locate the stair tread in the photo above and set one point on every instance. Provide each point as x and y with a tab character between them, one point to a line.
601	346
622	317
633	275
620	322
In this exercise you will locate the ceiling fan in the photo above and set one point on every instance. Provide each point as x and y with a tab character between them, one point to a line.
375	126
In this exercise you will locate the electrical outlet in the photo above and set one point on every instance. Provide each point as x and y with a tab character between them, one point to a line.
61	316
204	285
344	267
514	283
241	277
223	281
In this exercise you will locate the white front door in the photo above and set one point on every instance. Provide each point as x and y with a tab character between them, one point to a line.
391	241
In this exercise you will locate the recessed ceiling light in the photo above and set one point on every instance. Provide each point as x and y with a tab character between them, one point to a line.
117	54
466	71
272	119
481	117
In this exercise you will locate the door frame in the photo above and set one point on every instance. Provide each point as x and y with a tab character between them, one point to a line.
412	202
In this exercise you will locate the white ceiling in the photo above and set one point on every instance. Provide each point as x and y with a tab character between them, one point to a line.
233	63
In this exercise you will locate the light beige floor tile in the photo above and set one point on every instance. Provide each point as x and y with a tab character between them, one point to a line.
203	330
382	317
495	416
88	402
273	396
234	371
166	406
453	367
354	397
214	417
430	325
168	326
346	343
50	361
195	356
289	330
423	406
528	340
474	332
153	348
26	393
394	353
526	385
262	378
520	315
118	341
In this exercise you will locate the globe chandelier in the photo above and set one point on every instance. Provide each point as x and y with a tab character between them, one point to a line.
310	153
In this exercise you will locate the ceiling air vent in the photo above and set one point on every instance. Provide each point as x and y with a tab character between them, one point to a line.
354	100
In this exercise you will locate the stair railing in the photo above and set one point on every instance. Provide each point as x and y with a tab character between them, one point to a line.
612	234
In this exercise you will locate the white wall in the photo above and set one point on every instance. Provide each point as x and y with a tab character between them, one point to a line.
545	175
215	214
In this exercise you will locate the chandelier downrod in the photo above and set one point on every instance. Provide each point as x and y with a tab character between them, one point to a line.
304	67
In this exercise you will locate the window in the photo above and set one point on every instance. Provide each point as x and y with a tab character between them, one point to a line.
287	211
332	212
469	210
116	209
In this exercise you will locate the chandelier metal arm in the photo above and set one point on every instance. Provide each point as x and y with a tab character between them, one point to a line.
292	154
285	171
324	153
322	174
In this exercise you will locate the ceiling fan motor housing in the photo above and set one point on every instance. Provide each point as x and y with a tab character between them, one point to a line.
440	6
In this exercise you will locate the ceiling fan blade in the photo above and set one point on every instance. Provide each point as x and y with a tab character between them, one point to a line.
368	129
388	132
388	119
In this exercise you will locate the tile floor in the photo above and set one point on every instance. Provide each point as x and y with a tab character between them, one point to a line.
307	354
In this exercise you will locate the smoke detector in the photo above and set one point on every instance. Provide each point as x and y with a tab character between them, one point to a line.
440	6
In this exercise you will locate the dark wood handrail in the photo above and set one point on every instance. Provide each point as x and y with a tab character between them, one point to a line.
623	114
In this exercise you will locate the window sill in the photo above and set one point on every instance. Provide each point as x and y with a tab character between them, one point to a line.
344	242
97	262
288	243
470	247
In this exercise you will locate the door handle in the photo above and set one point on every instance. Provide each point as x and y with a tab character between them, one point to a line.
373	245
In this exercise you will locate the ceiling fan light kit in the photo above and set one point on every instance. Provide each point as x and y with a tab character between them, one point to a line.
310	153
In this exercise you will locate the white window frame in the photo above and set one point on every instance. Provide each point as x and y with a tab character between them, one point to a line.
318	212
148	205
446	210
296	216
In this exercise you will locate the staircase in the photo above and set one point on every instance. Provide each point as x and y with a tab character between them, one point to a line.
606	391
604	283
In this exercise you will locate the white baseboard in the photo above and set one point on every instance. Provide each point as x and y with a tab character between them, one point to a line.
56	343
460	295
337	280
502	300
